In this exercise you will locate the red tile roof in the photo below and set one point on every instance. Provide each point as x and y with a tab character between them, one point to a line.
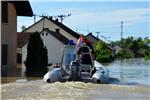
22	38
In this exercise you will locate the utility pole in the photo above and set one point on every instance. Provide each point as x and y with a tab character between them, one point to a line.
121	69
121	33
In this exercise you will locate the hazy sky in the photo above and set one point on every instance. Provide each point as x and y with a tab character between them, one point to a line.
97	16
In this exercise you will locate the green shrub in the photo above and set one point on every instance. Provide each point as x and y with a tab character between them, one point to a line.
103	52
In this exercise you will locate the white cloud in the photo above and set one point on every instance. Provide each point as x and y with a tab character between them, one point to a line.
129	16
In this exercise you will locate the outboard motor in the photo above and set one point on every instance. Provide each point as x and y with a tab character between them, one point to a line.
52	76
74	71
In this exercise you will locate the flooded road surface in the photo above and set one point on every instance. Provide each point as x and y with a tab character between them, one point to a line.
132	73
38	90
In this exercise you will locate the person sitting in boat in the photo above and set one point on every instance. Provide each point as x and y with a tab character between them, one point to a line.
87	42
71	42
83	41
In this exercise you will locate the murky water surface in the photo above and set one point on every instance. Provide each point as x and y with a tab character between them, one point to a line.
37	90
130	70
134	74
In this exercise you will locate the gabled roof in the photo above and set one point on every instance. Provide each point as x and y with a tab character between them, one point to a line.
22	38
65	28
76	35
90	34
58	36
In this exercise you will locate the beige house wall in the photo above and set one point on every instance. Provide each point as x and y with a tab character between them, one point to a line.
8	36
45	23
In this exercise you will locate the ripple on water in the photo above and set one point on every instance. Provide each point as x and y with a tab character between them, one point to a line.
72	91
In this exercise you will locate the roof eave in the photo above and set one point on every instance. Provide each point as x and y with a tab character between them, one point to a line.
23	8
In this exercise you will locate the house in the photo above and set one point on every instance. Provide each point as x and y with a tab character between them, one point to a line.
54	35
53	25
54	42
93	40
10	11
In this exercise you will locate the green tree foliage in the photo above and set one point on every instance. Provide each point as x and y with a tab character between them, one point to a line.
133	47
37	59
103	52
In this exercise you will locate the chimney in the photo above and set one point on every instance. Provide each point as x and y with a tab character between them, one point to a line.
57	30
56	20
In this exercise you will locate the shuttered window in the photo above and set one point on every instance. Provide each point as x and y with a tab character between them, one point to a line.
4	12
4	54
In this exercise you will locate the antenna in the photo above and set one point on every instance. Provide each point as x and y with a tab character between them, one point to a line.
35	15
62	17
97	34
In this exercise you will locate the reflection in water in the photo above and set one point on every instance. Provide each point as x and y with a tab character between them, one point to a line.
131	70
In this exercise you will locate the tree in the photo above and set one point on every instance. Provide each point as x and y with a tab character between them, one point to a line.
103	52
37	59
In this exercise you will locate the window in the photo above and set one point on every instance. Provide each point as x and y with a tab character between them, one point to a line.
4	12
4	54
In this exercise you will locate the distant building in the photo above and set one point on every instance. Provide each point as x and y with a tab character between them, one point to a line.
10	11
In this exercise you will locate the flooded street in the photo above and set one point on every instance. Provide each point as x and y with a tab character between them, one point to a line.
134	85
37	90
130	70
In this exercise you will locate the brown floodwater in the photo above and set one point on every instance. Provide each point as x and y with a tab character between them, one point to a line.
132	73
38	90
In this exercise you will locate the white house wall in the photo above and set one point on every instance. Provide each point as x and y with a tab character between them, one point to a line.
24	56
54	47
45	23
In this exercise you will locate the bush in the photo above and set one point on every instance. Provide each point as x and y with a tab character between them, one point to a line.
102	52
124	54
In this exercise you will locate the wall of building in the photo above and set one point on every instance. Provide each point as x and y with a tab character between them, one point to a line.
48	24
24	56
54	47
9	38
